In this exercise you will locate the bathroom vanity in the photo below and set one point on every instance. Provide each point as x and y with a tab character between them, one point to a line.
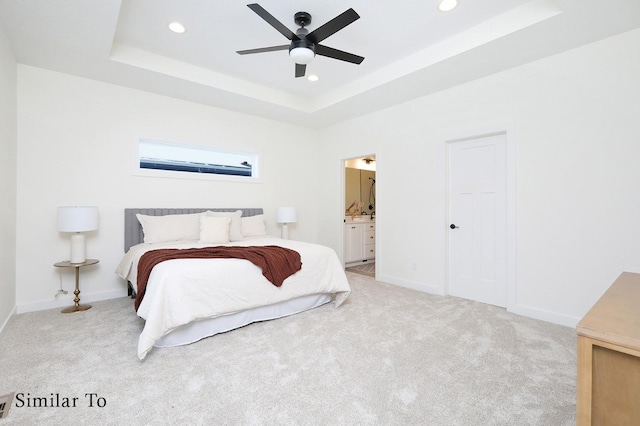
360	240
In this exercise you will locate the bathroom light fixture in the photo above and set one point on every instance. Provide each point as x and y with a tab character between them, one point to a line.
286	215
77	220
447	5
177	27
313	77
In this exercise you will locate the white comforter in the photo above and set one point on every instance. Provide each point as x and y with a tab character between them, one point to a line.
184	290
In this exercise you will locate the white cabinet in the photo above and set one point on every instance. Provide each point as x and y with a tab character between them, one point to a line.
353	244
369	241
360	242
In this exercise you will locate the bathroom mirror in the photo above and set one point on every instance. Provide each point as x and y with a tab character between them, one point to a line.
360	187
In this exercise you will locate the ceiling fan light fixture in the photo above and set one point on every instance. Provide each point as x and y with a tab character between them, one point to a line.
447	5
302	52
304	44
302	55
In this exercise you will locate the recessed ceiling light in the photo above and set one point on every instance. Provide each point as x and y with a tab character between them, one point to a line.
447	5
177	27
313	77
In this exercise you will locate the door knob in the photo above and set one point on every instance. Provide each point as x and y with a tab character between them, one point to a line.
453	226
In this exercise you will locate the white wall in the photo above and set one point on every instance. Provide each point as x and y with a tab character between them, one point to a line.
8	87
576	130
75	141
575	119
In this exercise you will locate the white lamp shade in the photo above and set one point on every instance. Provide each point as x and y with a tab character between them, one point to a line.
301	55
77	219
286	215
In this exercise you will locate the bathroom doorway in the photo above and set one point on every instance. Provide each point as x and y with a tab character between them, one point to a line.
360	215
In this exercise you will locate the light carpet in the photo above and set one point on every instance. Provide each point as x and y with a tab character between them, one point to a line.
388	356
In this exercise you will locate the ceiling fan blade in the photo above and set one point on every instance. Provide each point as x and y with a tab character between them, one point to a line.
263	49
333	26
330	52
273	21
301	69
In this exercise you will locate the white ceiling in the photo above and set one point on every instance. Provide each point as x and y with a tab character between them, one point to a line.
410	48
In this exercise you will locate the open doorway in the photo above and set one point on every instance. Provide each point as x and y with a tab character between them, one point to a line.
359	214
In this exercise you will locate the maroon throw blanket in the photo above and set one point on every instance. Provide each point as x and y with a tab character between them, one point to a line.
277	263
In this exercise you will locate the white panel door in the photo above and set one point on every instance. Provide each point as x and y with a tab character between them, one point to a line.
477	219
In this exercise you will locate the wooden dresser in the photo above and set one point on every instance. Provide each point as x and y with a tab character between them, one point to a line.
608	391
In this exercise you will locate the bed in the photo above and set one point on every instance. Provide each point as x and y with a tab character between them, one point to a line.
188	299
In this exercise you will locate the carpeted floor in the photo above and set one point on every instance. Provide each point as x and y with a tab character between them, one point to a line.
388	356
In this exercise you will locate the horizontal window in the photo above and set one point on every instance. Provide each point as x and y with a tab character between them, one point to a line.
179	160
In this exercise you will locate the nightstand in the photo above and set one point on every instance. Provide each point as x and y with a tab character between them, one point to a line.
66	264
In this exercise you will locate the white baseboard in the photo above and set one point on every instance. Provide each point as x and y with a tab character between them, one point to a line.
414	285
552	317
8	320
527	311
67	300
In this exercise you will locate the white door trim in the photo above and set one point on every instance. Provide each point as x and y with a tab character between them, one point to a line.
508	131
343	165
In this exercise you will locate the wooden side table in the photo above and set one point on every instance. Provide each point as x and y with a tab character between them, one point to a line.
67	264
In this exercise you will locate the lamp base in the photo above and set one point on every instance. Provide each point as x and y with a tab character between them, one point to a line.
285	232
77	248
75	308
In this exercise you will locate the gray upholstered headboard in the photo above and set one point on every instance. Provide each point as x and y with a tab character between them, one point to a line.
133	230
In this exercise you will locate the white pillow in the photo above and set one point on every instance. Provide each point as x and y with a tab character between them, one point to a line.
171	227
235	229
214	230
253	226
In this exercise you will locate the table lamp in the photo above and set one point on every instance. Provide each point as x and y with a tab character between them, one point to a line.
285	215
77	219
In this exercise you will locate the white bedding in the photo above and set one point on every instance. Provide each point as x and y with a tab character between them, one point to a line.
184	290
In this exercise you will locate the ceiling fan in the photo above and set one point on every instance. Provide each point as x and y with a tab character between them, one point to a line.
304	44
